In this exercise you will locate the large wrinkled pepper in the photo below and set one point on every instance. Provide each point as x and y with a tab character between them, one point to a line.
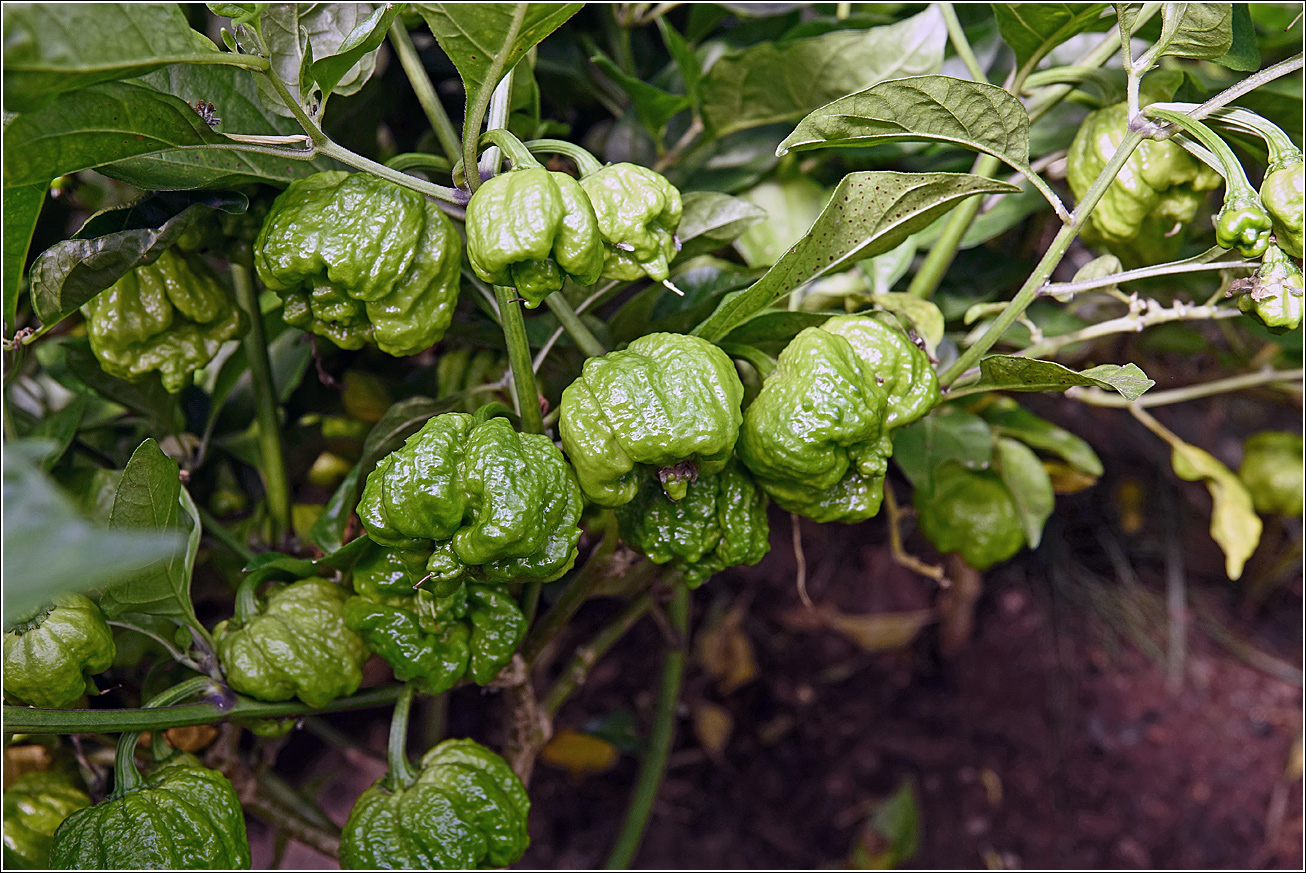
171	316
1157	192
719	523
1272	470
34	807
48	658
970	512
638	212
473	500
1283	194
1276	295
531	228
181	816
358	259
465	809
432	641
294	643
818	436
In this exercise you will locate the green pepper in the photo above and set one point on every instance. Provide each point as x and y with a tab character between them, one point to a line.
1156	193
1272	471
638	212
819	435
474	500
970	512
171	316
34	806
1283	194
668	403
530	228
1276	296
292	644
181	816
719	523
1243	225
432	641
48	659
358	259
466	809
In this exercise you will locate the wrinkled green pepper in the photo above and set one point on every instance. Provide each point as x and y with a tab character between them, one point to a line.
1283	194
1273	473
171	316
970	512
34	807
466	809
1243	224
469	500
182	816
638	212
1157	192
819	435
48	659
666	404
719	523
530	229
432	641
1276	296
358	259
294	643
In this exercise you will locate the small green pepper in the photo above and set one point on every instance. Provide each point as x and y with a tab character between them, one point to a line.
1283	194
48	659
34	807
1272	471
638	212
1243	225
972	513
1276	296
466	809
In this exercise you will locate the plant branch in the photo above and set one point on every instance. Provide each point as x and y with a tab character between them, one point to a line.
519	357
573	676
578	590
425	91
219	532
1145	314
401	772
1064	290
1098	397
576	329
475	114
960	44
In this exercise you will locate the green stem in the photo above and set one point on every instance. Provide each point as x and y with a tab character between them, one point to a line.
28	720
497	119
1050	259
585	162
401	772
476	109
576	329
438	192
275	479
1236	184
425	92
576	671
936	263
530	600
125	775
659	747
247	598
219	532
1062	290
578	590
419	161
515	149
1098	397
960	44
519	357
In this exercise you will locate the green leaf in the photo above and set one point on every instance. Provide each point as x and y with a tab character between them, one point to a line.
145	396
990	223
783	81
1197	30
946	434
883	271
691	68
896	824
1034	29
934	108
1011	373
1243	54
775	326
1235	526
60	427
362	40
236	98
712	220
54	48
71	272
273	565
1098	268
1009	419
868	214
653	106
96	126
22	207
50	547
149	498
1029	484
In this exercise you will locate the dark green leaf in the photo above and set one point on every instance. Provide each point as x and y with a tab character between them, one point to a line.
1011	373
868	213
1034	29
1029	484
273	565
946	434
22	206
653	106
691	68
363	39
712	220
1008	418
146	396
60	427
1243	54
1197	30
53	48
775	326
990	223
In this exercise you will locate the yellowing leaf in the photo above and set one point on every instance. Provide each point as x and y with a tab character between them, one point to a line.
580	754
883	631
1066	479
726	652
1235	526
713	725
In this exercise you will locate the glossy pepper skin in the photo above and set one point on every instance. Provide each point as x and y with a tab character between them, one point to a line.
466	809
1243	225
48	658
296	645
668	404
171	316
1272	471
475	502
1283	194
719	523
34	806
432	641
1159	189
530	229
1277	293
818	436
972	513
183	816
359	259
638	212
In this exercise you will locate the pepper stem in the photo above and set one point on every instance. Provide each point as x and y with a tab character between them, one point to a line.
401	772
1236	184
519	357
512	147
126	777
585	161
247	599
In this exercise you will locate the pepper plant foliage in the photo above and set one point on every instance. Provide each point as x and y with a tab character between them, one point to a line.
401	331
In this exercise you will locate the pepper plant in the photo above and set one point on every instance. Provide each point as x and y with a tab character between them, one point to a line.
280	396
